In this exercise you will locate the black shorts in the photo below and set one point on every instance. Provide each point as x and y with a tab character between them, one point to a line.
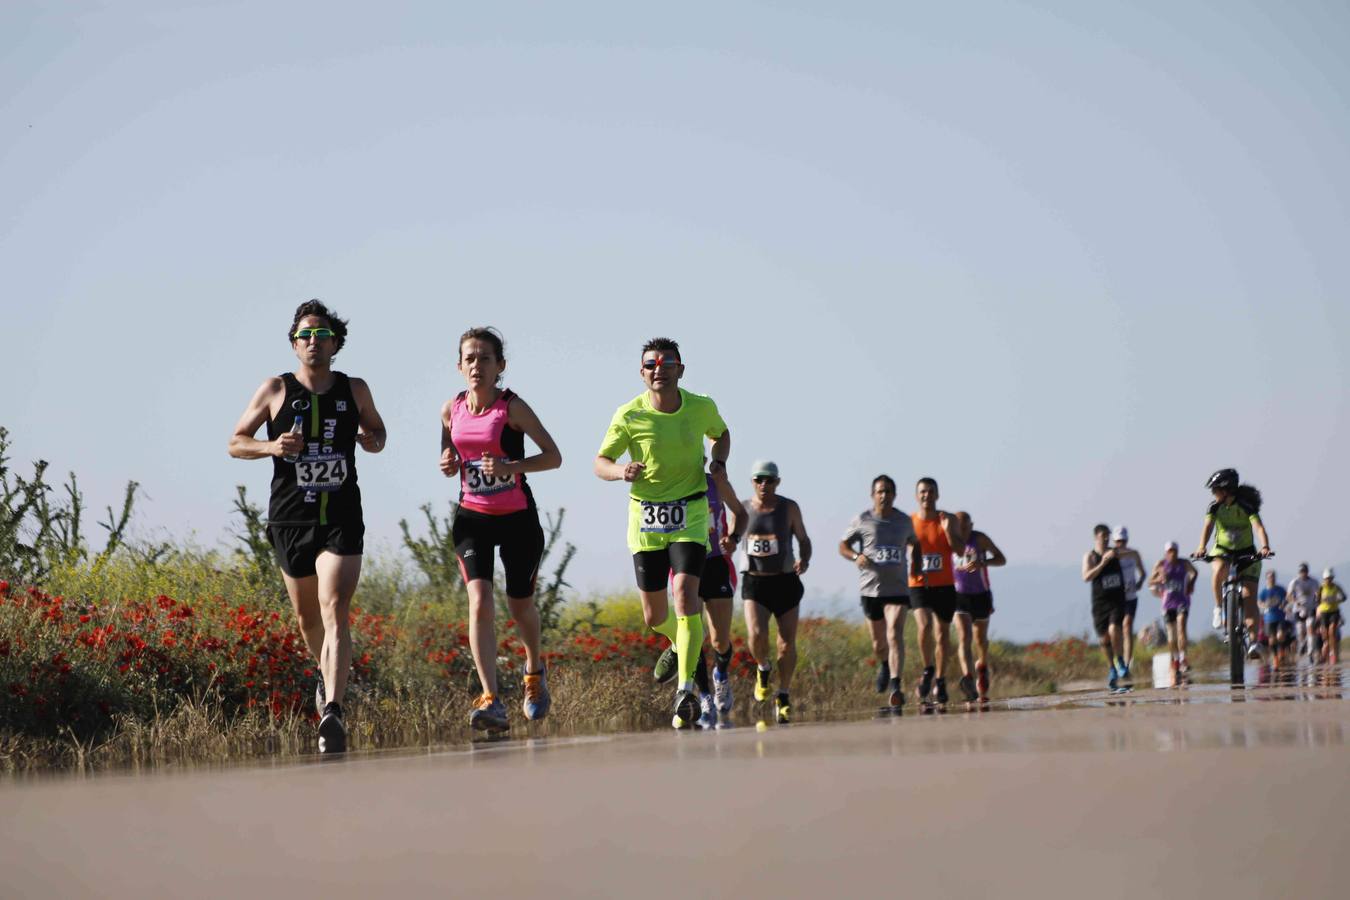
1130	607
939	600
476	535
1327	619
654	567
978	606
1171	613
778	594
716	581
875	607
297	546
1107	611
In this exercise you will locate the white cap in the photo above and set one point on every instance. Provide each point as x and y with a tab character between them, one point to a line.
764	467
1327	574
1170	545
1120	534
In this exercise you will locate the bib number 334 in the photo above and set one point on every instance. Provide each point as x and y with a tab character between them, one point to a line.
663	518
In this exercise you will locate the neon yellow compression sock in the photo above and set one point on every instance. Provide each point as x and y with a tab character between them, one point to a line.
688	644
667	627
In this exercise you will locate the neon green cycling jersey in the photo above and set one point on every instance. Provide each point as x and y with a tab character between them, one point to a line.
670	445
1232	525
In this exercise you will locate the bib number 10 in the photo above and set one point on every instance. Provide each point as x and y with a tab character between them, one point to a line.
663	518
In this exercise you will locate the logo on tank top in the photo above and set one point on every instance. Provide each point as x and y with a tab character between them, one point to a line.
342	406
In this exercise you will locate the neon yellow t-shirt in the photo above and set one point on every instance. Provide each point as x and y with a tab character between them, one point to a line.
670	445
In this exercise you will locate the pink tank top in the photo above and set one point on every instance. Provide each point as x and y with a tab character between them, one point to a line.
488	432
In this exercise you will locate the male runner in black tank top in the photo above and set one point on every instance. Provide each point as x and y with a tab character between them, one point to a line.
315	417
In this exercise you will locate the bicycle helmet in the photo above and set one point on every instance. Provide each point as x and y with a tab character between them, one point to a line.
1224	478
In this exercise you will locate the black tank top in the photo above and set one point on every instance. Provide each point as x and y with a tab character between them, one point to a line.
1109	583
319	487
768	540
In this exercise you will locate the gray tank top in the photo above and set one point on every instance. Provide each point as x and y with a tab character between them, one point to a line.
768	540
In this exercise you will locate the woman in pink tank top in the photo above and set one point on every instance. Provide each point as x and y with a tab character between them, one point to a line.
483	432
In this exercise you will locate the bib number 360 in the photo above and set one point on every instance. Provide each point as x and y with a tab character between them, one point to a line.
663	518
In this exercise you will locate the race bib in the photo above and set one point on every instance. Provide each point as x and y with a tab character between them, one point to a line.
1111	581
479	483
887	556
761	545
321	472
662	518
1175	587
932	562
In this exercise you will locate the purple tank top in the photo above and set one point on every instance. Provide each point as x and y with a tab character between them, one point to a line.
976	582
1174	584
487	432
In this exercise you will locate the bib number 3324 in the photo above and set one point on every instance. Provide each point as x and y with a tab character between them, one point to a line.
663	518
321	473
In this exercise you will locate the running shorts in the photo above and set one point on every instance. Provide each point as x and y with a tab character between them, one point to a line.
1107	611
298	546
654	568
940	600
1328	618
518	535
778	594
716	581
1252	573
874	608
1130	607
1170	613
977	606
655	526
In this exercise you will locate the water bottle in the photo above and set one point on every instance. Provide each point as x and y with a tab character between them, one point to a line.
297	428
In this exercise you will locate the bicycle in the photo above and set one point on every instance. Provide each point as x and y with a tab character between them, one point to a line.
1233	606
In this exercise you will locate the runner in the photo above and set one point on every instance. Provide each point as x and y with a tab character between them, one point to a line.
315	417
1173	580
1234	517
717	589
932	588
772	584
1330	597
662	431
1132	574
1102	568
1303	596
483	432
974	606
878	541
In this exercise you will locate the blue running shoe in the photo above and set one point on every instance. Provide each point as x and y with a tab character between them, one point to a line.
722	695
1112	679
488	714
537	699
708	716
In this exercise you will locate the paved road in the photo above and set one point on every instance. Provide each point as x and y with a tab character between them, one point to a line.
1093	797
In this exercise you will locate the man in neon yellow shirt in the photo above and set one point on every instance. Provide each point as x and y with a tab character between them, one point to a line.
662	431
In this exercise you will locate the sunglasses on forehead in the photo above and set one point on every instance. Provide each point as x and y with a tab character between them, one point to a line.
304	334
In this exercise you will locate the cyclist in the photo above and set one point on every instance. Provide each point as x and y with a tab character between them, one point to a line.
1102	569
483	432
1173	580
1303	597
974	606
315	418
662	430
1330	598
1234	519
772	584
1274	617
877	542
1132	574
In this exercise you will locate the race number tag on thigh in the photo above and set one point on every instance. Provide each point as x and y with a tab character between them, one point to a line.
479	483
663	518
321	472
887	556
932	562
761	544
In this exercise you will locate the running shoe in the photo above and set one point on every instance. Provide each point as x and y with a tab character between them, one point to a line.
489	714
537	699
666	665
761	685
1124	669
925	686
708	715
320	701
701	675
897	698
940	691
968	688
722	693
1112	679
686	709
1218	619
782	708
332	730
1176	673
883	677
982	680
1254	650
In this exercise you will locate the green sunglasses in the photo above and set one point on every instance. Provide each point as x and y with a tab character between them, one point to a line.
305	334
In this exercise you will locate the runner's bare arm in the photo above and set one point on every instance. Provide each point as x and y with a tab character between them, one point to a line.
1090	571
803	542
991	555
736	514
521	417
243	444
609	470
449	458
853	554
1260	528
721	450
371	436
1204	537
951	526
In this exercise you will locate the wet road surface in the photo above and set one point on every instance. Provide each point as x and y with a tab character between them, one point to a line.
1201	790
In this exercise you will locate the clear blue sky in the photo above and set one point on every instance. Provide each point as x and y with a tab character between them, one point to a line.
1066	258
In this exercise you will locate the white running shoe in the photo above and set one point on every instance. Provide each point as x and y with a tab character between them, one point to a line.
708	713
722	695
1218	619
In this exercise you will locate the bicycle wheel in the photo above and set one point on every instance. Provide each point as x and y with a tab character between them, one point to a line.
1236	650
